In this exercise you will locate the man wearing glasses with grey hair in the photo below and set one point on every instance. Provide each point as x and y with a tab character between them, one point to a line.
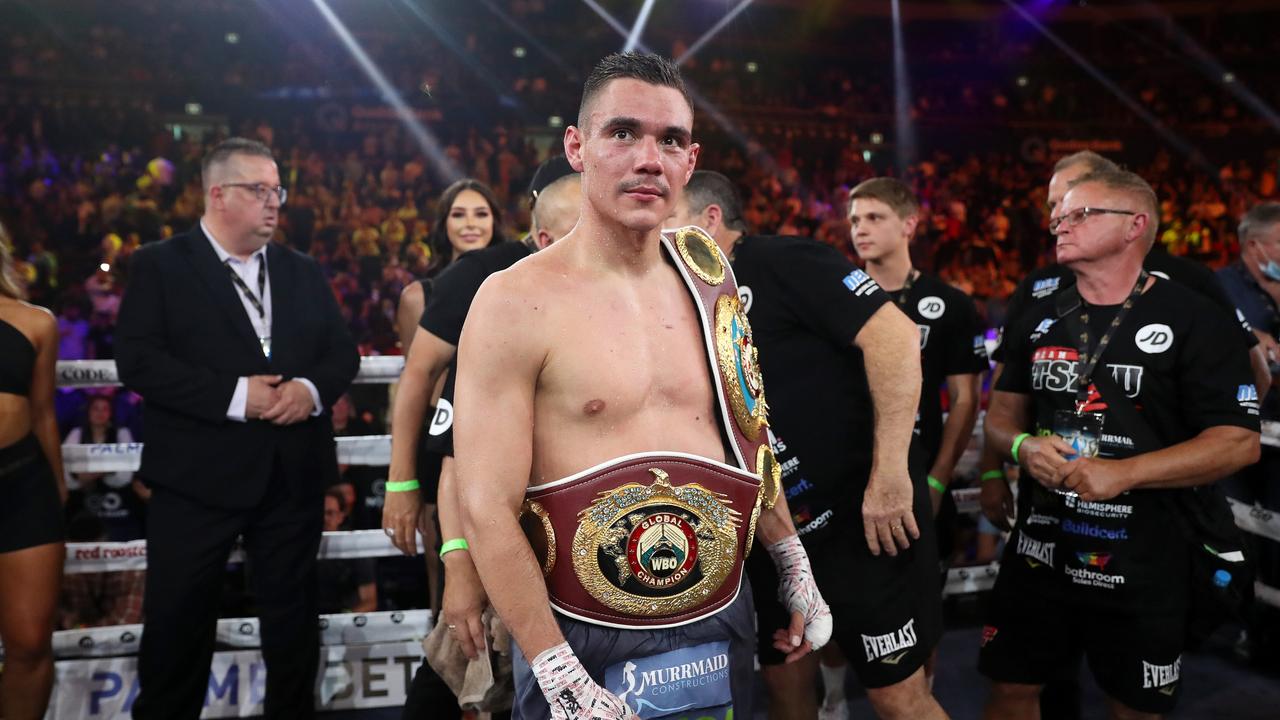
237	348
1123	399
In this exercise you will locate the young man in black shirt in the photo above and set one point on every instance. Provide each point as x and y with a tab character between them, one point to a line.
843	377
883	213
1114	402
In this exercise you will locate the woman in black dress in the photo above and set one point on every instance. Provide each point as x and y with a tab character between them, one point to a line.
31	485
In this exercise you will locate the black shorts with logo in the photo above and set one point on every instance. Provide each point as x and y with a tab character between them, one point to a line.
621	660
1040	619
886	611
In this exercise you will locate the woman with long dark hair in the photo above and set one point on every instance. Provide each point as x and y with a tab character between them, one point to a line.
468	217
31	527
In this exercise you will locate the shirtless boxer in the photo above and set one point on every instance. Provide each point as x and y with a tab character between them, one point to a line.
588	398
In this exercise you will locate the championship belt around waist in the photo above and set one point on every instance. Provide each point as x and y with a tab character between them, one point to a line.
646	540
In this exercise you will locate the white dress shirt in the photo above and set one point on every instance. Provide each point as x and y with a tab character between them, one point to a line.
248	272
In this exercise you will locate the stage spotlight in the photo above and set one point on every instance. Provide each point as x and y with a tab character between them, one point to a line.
904	129
715	29
555	121
877	139
104	267
193	108
518	51
866	156
1164	131
232	38
752	67
1023	81
426	141
1228	77
633	38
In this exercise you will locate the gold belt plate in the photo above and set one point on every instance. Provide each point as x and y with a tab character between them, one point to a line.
655	550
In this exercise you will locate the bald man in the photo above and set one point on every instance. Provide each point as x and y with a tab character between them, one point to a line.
555	212
435	343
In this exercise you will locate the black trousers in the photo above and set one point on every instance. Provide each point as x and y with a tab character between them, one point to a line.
187	547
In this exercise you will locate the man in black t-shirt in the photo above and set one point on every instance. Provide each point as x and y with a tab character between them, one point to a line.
997	500
1061	697
883	213
1115	400
841	364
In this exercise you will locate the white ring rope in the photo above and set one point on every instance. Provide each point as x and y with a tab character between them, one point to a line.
102	373
336	629
375	450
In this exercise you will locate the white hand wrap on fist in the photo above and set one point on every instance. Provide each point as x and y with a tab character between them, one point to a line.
571	692
798	591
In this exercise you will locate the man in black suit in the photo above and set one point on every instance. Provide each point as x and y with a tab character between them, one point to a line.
237	347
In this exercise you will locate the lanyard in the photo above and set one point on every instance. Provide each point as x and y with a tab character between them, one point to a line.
906	288
1089	360
262	286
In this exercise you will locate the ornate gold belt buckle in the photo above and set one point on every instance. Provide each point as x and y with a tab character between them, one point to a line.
656	549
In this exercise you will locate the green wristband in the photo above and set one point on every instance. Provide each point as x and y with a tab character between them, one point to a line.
993	475
406	486
1017	443
936	484
449	546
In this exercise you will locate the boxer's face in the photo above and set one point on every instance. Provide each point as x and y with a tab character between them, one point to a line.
635	152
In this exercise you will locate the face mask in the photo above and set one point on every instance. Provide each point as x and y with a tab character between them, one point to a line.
1270	269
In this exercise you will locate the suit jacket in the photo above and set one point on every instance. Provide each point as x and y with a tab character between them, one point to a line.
183	339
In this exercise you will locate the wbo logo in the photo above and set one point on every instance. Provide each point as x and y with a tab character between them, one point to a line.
690	681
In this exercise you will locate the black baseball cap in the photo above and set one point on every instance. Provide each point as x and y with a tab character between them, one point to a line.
551	170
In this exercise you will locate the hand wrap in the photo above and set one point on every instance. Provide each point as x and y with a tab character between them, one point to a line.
798	591
570	691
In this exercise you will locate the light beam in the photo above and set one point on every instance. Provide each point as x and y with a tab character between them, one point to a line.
633	38
427	142
715	29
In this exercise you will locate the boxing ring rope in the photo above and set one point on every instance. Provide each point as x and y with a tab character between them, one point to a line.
367	659
375	450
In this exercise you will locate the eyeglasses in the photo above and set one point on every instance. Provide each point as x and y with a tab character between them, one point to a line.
1079	215
262	192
